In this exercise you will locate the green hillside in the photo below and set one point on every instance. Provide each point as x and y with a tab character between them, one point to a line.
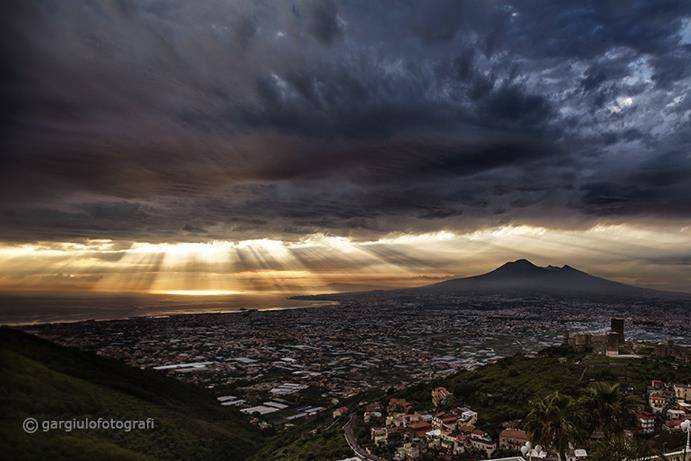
501	391
317	441
42	380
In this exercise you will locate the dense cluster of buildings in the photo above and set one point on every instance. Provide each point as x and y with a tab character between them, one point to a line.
308	357
408	432
670	405
403	432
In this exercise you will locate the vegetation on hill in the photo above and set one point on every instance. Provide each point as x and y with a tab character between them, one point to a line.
500	392
322	439
44	381
559	393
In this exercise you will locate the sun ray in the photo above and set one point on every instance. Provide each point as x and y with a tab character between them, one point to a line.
318	263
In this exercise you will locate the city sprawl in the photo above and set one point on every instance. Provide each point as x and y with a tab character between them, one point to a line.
282	366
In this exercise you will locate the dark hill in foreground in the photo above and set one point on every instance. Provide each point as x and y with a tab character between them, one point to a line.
48	382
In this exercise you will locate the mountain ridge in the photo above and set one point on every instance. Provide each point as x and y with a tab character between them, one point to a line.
522	277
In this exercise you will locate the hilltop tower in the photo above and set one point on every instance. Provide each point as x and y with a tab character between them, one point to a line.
617	326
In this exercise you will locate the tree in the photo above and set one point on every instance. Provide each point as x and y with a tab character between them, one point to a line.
621	449
606	409
464	391
551	423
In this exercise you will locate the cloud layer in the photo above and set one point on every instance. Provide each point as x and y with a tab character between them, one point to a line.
169	120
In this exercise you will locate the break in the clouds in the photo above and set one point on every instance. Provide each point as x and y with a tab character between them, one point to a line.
164	120
320	263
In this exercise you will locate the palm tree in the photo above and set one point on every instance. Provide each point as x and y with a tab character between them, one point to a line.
607	409
621	449
552	422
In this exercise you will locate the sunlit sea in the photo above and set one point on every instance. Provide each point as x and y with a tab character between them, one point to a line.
25	308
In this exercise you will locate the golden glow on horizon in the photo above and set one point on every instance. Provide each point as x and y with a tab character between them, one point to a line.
198	292
325	263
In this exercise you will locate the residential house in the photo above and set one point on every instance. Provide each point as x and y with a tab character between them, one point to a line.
675	414
338	412
481	441
683	392
380	435
399	406
439	396
657	401
647	422
579	454
512	439
368	416
408	451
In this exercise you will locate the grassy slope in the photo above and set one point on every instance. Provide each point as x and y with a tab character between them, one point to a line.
327	442
321	438
45	381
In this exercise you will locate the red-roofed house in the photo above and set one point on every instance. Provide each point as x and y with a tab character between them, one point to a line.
657	401
512	439
647	422
673	425
338	412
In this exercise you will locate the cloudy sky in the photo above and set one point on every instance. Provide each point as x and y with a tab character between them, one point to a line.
431	138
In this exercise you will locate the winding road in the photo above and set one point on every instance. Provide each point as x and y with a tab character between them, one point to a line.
352	441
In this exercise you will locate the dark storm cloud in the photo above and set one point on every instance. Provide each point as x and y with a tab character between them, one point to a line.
322	20
662	181
171	120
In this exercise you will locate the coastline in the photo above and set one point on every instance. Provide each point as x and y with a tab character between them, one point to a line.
17	310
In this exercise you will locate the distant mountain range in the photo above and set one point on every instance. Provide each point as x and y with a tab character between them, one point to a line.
522	277
525	277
